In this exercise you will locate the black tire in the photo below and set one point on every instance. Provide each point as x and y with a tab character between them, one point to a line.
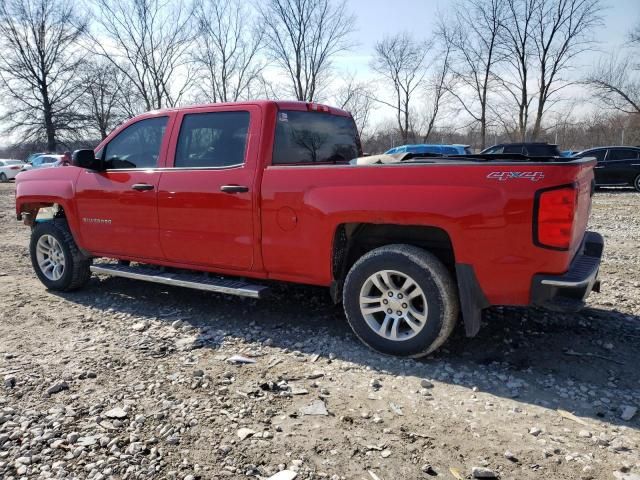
429	274
636	183
3	178
76	272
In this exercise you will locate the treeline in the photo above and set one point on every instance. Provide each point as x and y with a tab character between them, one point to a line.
491	70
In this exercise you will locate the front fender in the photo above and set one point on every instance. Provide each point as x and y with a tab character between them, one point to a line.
36	189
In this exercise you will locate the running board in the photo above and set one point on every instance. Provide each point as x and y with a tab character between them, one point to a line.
189	280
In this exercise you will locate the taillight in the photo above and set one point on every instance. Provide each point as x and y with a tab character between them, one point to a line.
14	168
554	212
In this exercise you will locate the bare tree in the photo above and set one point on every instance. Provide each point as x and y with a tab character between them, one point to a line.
474	41
437	87
518	44
302	37
563	30
356	98
103	99
148	42
227	50
616	81
400	60
38	61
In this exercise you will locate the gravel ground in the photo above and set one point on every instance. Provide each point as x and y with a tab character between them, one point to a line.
131	380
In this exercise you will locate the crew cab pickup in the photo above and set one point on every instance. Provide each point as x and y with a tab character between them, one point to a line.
232	197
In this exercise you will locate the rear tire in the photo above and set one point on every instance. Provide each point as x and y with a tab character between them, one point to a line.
3	178
636	183
56	258
401	300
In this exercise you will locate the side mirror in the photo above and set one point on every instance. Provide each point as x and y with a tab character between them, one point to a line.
86	159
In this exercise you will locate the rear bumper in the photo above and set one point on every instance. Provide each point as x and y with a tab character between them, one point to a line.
567	292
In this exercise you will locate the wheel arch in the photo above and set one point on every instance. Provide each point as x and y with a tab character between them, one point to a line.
353	240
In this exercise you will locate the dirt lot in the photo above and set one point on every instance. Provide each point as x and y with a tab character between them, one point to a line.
130	380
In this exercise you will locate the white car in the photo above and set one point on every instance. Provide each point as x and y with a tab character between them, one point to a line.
9	169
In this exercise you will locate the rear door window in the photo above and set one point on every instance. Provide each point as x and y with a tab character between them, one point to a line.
622	154
314	137
214	139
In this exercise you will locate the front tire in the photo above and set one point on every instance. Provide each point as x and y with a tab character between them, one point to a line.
55	257
636	183
401	300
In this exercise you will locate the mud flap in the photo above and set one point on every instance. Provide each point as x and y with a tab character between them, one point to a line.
472	298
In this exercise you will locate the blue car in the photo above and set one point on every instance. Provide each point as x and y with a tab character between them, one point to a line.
433	149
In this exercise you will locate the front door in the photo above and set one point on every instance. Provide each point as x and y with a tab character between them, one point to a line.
207	196
600	171
117	208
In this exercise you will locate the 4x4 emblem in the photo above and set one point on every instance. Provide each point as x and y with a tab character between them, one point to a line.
502	176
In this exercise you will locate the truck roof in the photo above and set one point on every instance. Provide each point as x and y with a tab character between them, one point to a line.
280	104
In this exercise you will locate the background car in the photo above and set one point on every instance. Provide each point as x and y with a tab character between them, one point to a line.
9	169
568	153
434	149
532	149
617	166
46	161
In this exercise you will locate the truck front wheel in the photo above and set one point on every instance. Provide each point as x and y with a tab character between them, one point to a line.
401	300
56	258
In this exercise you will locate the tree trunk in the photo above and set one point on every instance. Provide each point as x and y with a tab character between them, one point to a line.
48	121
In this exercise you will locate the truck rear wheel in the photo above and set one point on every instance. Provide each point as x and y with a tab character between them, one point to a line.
56	258
401	300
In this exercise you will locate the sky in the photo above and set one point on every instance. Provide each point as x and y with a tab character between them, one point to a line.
377	18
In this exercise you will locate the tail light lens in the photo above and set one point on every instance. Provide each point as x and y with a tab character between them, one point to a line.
14	168
554	215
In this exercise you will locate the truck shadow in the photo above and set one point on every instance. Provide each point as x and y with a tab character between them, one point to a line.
584	363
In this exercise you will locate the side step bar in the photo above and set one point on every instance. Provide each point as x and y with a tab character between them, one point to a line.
189	280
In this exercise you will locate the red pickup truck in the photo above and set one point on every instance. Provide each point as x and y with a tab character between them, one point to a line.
231	197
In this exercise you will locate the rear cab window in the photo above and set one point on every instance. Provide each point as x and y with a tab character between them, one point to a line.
308	138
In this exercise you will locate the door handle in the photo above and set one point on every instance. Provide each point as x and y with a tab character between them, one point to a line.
142	187
234	189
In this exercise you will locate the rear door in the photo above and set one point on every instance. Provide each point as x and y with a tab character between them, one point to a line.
622	165
207	195
117	208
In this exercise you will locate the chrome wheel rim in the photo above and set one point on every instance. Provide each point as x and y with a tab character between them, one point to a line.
50	257
393	305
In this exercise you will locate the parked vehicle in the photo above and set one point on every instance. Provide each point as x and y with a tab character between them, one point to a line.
45	161
9	169
263	191
34	155
617	166
531	149
431	149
